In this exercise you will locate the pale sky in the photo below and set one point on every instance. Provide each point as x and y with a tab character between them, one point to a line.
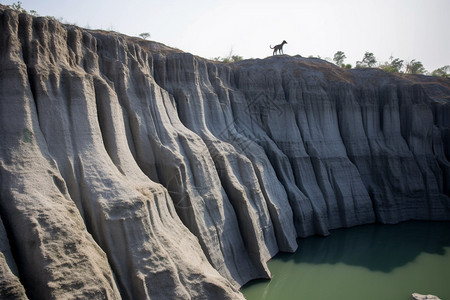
407	29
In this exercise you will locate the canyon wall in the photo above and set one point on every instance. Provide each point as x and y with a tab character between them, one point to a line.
131	170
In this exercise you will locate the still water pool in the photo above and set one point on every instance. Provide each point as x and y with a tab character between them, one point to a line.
370	262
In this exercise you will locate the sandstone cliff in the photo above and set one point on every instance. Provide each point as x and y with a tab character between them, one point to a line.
132	170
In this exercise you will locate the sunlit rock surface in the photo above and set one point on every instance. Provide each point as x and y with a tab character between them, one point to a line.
132	170
425	297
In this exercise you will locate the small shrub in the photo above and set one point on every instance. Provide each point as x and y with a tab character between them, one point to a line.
229	58
144	35
442	72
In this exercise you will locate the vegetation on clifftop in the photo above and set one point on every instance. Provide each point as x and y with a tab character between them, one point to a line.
394	65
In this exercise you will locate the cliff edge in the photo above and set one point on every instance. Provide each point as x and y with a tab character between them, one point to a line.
131	170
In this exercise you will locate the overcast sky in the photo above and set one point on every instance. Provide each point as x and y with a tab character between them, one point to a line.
407	29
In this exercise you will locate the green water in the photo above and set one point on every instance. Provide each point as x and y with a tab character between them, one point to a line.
379	262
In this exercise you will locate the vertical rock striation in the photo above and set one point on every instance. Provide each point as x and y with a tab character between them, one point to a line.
130	170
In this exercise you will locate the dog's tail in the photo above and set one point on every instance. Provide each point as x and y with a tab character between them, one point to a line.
271	47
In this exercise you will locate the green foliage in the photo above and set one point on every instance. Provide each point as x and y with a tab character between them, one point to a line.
369	61
388	68
144	35
393	66
415	67
233	58
229	58
339	58
397	63
442	72
17	6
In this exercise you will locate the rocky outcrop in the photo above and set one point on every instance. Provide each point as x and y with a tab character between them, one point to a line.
132	170
424	297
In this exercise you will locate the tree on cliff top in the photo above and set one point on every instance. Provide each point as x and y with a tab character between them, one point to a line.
339	58
17	6
393	66
144	35
368	61
415	67
442	72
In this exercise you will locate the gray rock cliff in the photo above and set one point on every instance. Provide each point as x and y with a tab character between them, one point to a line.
131	170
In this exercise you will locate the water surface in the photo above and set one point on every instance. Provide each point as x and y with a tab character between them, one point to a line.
365	262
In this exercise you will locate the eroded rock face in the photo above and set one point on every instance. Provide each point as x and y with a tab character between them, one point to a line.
132	170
